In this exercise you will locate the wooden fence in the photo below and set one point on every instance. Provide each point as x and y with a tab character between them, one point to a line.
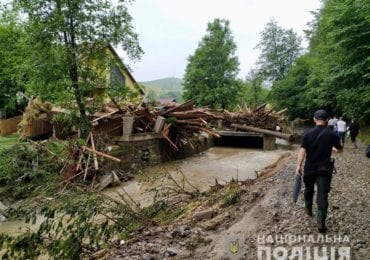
9	126
38	127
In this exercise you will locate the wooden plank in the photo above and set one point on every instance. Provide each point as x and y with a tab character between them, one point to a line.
159	124
110	157
172	109
96	166
104	116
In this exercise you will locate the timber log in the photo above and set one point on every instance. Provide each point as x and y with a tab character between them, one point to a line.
264	131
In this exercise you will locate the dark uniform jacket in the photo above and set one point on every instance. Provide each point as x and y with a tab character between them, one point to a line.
319	154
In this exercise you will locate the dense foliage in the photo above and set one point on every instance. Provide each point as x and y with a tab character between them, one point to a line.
210	77
26	171
254	92
335	73
11	37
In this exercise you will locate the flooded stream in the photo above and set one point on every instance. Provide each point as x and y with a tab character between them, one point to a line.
200	171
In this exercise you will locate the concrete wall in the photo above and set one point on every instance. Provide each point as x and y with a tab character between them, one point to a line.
269	142
151	150
200	143
139	153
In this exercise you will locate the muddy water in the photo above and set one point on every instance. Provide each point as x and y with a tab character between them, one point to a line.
200	171
18	227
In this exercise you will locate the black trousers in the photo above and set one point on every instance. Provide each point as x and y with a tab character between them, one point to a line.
322	180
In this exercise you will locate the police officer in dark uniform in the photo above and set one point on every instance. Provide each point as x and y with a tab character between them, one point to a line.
317	146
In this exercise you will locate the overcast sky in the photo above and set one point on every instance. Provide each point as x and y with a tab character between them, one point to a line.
170	30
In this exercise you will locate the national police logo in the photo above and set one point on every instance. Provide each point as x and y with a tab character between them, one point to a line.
234	247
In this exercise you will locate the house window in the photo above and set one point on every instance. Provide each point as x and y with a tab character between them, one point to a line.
117	80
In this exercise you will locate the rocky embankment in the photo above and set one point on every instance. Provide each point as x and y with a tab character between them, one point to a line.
266	217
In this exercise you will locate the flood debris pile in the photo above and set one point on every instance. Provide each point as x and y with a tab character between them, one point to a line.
259	117
86	162
177	123
183	121
125	118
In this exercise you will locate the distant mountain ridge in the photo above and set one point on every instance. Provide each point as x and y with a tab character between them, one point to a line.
164	88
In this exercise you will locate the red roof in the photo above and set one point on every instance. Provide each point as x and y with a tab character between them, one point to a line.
164	101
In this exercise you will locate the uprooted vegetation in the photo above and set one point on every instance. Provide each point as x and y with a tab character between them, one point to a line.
32	168
26	170
79	223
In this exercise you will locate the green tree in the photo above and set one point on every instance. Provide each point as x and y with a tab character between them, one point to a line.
10	45
255	91
72	31
335	73
279	49
340	46
292	92
210	77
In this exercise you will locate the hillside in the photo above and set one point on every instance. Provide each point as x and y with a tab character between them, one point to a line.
164	88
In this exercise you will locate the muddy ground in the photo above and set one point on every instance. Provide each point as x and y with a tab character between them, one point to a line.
265	217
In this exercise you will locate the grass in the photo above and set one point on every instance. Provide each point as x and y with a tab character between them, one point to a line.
365	134
195	241
8	141
231	195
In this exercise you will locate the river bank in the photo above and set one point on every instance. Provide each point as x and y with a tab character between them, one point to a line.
266	210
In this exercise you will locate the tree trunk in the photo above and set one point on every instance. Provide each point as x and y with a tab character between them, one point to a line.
264	131
71	46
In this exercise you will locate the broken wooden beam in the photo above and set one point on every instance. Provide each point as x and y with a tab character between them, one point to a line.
282	111
110	157
188	103
104	116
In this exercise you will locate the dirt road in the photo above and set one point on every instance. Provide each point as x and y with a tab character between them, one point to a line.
275	216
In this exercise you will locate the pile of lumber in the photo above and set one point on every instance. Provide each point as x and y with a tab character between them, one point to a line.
183	121
259	117
144	120
108	120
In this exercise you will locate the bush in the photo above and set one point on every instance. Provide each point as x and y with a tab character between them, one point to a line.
231	195
25	170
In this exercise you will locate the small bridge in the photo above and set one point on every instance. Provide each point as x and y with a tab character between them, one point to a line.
245	139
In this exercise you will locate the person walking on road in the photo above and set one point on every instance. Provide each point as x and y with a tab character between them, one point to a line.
331	123
317	146
354	130
335	121
341	128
